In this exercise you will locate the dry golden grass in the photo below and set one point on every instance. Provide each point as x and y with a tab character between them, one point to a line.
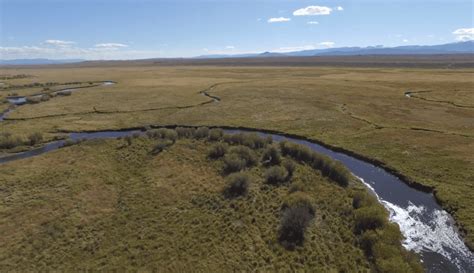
360	109
104	205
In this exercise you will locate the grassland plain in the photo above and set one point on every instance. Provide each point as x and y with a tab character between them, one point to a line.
363	110
116	205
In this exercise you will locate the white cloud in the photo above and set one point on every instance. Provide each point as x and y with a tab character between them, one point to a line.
327	44
230	47
313	23
110	45
313	10
464	34
71	52
58	43
339	8
405	40
294	48
278	20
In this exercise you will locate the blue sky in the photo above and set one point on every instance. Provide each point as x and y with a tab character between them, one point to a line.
126	29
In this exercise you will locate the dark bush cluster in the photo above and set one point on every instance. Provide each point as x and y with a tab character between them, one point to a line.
201	132
238	158
271	156
237	184
328	167
163	133
216	134
184	132
276	175
217	150
35	138
8	141
33	100
251	140
293	225
233	163
372	217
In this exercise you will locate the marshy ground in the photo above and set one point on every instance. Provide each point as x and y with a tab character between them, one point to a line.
428	138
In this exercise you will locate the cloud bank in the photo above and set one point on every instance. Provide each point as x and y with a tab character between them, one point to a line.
464	34
313	10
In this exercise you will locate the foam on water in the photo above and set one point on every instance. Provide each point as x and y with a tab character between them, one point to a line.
429	231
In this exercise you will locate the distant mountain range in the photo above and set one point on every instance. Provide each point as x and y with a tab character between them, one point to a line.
452	48
38	61
466	47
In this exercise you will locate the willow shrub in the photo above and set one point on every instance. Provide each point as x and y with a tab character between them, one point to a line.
271	156
216	134
237	184
293	225
217	150
276	175
251	140
184	132
332	169
201	132
35	138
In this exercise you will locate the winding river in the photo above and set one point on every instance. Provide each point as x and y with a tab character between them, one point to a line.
427	228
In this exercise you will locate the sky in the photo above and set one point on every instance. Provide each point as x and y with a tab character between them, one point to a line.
137	29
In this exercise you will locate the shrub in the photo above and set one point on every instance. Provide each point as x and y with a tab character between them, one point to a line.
218	150
216	134
332	169
290	167
45	97
33	100
298	152
35	138
246	154
201	132
361	199
7	141
276	175
184	132
251	140
339	173
233	163
163	133
237	184
271	156
298	199
293	225
369	218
